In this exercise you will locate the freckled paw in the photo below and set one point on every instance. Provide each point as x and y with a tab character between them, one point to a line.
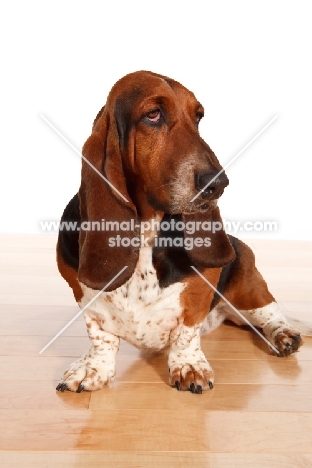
86	375
287	342
192	377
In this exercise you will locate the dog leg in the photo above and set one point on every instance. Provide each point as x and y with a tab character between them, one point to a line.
188	366
97	367
274	324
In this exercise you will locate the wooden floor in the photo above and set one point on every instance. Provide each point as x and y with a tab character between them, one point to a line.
258	414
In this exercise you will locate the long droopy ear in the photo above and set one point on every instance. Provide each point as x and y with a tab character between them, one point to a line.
109	228
211	247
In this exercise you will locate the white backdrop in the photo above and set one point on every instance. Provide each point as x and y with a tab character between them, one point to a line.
245	61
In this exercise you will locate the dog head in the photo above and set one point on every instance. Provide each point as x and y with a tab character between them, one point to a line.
146	146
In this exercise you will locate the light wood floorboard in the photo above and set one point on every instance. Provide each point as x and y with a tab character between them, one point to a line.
259	413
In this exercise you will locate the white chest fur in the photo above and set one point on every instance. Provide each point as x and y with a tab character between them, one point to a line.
139	311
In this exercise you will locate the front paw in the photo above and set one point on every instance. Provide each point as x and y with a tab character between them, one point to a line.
194	377
86	374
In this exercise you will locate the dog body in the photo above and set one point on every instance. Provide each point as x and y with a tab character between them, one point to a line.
152	312
144	165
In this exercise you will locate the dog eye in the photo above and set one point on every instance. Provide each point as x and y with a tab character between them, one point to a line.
153	115
199	116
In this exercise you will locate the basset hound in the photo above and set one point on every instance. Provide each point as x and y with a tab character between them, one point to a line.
141	229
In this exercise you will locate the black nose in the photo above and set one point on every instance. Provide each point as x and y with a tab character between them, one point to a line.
211	183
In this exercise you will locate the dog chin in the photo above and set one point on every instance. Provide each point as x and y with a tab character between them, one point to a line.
200	207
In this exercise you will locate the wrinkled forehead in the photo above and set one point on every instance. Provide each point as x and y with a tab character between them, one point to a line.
140	88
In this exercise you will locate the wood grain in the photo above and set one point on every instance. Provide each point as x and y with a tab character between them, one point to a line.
258	414
134	459
156	430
